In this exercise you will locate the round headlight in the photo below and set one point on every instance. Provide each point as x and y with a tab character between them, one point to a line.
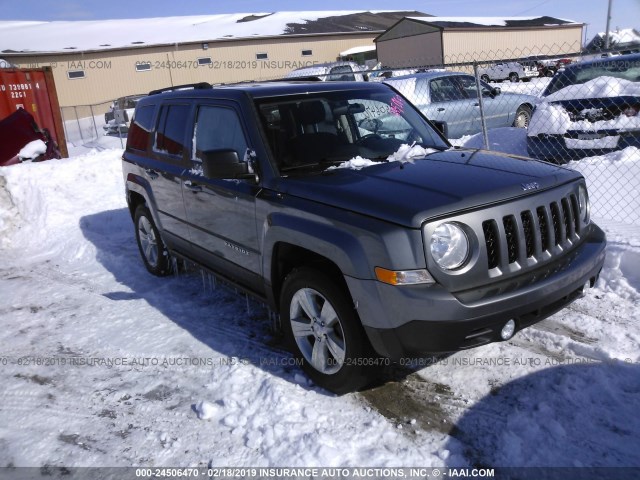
449	246
583	203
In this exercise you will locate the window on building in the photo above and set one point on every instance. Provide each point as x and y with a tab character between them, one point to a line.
307	53
143	67
73	74
262	56
204	61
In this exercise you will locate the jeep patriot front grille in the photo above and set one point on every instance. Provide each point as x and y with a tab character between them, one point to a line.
538	234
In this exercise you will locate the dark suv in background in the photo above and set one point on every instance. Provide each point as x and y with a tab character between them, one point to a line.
342	208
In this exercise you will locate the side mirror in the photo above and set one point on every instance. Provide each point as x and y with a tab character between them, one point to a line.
222	164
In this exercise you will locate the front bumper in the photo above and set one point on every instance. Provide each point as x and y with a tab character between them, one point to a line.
555	148
415	320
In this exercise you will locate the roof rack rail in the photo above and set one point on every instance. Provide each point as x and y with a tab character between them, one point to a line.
194	86
307	78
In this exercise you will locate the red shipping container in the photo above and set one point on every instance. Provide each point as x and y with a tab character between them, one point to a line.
33	90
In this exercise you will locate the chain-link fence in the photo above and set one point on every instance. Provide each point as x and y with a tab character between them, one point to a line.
552	103
88	125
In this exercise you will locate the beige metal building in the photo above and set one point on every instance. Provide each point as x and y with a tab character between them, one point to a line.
97	61
434	41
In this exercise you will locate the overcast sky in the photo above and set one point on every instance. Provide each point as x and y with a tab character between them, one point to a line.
625	14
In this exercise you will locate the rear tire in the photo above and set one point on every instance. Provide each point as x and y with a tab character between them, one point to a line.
523	117
152	249
485	78
322	329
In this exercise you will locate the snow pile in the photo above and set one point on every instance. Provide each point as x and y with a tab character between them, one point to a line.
44	193
33	150
356	163
9	214
409	153
613	181
550	118
406	153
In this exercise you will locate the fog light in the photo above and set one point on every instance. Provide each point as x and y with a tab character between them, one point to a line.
508	329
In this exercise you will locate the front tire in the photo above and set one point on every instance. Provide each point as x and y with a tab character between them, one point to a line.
152	249
485	78
513	77
523	117
323	330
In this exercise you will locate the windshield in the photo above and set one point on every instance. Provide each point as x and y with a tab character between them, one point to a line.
320	129
578	74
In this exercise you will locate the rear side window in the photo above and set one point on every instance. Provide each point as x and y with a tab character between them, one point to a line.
218	128
141	127
170	134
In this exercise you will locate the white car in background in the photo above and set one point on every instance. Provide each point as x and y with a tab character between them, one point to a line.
330	72
118	118
512	71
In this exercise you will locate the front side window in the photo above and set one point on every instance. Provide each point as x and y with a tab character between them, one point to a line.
170	133
322	129
218	128
444	89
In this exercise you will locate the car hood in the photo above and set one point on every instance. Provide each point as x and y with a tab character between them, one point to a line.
439	184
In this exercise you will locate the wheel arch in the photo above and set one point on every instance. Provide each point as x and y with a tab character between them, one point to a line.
287	257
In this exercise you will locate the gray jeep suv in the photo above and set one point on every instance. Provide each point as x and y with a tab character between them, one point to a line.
341	207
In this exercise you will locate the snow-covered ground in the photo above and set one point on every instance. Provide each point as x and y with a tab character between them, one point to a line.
103	364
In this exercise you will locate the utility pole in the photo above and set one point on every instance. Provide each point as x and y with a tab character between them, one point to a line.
606	33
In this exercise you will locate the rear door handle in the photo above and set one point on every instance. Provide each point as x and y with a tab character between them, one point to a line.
192	186
151	173
441	109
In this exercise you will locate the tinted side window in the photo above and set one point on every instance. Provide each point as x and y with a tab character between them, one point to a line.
218	128
171	129
141	127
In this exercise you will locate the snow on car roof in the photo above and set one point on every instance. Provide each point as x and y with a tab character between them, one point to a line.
70	36
600	87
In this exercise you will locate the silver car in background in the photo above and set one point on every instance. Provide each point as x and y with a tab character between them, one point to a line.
450	99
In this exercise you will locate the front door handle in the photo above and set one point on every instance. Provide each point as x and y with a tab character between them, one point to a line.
191	186
151	173
441	109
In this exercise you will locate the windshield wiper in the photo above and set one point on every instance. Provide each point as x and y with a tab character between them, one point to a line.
323	162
